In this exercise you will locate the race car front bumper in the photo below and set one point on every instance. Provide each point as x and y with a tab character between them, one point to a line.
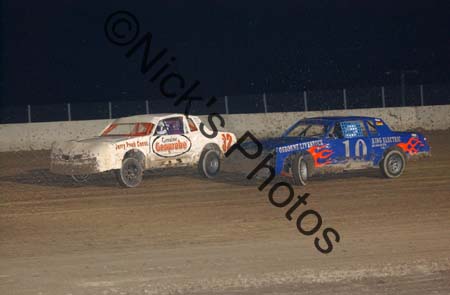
67	165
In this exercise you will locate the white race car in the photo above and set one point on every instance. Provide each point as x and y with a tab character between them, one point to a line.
130	145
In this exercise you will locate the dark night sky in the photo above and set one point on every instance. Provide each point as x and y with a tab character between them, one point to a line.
59	53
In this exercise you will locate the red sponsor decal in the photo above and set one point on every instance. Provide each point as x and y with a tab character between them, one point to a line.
227	140
411	145
178	145
133	144
171	145
321	155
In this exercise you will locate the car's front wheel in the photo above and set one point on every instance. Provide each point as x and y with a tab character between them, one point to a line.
393	164
131	172
209	164
301	169
80	178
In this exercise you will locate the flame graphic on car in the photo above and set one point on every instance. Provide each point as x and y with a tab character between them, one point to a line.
411	145
321	155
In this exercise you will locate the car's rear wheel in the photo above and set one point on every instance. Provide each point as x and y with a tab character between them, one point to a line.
209	164
131	172
393	164
301	169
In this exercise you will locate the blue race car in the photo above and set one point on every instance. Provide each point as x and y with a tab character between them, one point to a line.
325	144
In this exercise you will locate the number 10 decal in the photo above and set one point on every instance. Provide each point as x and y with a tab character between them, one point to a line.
360	144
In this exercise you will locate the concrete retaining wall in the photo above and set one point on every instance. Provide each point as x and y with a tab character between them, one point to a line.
36	136
405	118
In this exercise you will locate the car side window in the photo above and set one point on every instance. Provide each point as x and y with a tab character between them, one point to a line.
170	126
337	131
352	129
372	128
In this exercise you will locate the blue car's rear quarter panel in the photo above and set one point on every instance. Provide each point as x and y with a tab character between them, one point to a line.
411	143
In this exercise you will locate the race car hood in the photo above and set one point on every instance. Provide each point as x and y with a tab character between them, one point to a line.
91	147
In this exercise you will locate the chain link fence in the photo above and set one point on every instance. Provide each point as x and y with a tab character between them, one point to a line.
314	100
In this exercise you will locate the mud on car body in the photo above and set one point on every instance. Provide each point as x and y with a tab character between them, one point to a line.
130	145
335	144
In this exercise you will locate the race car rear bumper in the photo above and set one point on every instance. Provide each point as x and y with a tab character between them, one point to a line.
419	155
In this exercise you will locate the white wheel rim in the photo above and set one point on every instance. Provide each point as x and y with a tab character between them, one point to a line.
395	164
303	169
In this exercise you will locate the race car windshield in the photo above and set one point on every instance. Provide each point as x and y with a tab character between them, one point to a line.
128	129
307	130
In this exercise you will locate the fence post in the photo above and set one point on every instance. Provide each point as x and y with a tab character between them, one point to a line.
265	102
383	99
147	108
69	113
29	113
421	95
344	92
226	105
305	100
403	88
110	109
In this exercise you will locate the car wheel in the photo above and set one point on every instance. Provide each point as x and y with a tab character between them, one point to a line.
393	164
80	178
301	169
130	175
209	164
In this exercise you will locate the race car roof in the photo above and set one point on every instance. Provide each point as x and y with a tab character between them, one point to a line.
340	118
150	118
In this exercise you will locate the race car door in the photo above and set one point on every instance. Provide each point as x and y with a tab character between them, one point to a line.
350	144
170	143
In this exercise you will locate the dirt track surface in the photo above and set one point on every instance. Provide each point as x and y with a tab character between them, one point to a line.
180	234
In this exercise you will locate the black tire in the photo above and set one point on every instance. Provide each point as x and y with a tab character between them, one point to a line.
393	164
301	169
80	178
130	174
209	164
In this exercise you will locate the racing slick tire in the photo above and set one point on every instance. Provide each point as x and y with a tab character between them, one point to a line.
209	163
393	164
131	172
302	169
